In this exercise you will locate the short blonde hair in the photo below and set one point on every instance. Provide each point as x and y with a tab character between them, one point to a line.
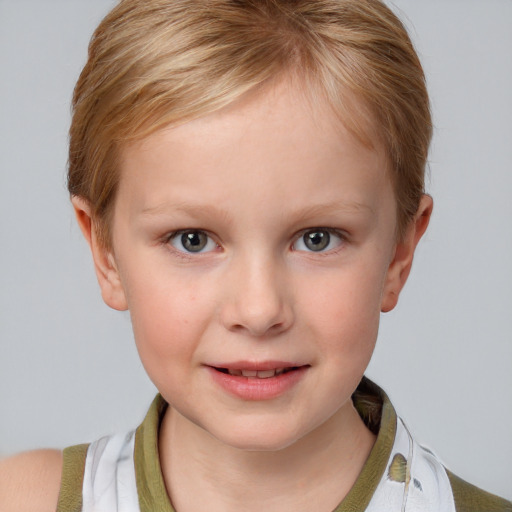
152	63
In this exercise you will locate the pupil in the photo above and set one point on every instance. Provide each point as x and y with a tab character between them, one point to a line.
193	241
317	240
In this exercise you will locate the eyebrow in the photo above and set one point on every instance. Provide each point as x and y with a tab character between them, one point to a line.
332	208
195	210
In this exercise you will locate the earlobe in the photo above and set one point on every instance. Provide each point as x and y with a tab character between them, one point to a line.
401	264
105	266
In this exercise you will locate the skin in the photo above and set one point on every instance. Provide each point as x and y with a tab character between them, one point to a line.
255	178
30	482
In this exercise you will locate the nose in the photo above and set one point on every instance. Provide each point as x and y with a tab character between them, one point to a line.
258	300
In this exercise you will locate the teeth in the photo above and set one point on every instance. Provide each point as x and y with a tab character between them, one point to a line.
259	374
266	374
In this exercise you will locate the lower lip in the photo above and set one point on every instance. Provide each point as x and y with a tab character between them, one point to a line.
252	388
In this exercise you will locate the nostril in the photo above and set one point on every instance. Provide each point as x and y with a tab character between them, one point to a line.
256	311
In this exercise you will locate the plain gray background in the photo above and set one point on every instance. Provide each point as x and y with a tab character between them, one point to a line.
69	371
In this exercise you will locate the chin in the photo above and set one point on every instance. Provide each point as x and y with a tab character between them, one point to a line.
266	438
262	444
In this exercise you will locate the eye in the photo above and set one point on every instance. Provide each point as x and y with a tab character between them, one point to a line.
318	240
192	241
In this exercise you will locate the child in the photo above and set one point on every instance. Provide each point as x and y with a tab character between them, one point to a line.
249	176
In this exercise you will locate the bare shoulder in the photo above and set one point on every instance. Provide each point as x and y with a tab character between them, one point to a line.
30	481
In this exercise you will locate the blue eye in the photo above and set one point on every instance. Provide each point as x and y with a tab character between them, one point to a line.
318	240
192	241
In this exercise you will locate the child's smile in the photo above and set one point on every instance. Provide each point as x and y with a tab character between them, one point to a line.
258	380
253	248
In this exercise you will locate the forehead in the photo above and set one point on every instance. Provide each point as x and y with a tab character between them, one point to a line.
280	137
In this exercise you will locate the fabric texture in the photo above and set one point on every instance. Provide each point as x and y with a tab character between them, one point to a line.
122	473
472	499
73	467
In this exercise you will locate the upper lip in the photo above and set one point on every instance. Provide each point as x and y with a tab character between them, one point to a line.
257	365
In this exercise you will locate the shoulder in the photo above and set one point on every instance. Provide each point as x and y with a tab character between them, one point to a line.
30	481
469	498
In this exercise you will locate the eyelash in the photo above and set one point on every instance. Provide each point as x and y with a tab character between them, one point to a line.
168	239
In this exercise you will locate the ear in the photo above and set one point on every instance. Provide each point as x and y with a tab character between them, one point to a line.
105	266
400	266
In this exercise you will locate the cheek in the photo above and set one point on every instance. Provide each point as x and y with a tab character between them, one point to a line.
168	316
345	297
347	311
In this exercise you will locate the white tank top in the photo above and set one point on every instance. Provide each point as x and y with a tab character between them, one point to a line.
414	479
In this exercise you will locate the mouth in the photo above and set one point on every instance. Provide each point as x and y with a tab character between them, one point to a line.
254	381
257	374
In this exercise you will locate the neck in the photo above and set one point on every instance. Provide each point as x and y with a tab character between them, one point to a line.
314	473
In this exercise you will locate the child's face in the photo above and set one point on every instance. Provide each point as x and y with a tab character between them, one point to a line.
255	239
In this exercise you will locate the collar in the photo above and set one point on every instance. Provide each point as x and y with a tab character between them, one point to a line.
370	401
